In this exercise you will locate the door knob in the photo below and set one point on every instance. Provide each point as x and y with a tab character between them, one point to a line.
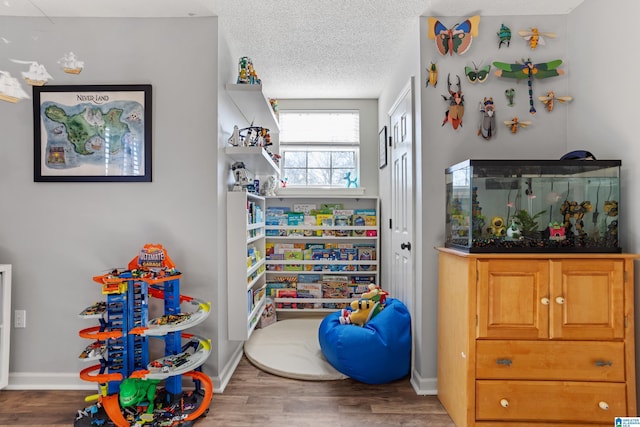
406	246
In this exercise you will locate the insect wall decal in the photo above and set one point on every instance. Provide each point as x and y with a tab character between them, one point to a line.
432	78
457	39
504	35
488	121
475	75
535	37
549	100
514	123
528	70
510	94
456	105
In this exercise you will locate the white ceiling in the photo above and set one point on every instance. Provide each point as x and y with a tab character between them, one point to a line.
302	49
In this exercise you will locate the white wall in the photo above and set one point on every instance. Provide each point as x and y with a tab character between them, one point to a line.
602	117
442	146
58	236
407	65
229	352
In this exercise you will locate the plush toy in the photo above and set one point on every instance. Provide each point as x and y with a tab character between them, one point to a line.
365	308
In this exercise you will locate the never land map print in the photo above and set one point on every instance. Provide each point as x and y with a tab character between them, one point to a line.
92	133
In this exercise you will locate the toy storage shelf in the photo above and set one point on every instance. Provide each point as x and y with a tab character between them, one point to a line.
253	105
327	236
245	263
5	325
255	159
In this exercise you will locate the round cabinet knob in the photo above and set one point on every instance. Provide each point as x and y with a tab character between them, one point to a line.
505	403
560	300
545	301
604	406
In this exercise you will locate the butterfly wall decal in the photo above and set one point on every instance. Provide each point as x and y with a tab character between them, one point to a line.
457	39
475	75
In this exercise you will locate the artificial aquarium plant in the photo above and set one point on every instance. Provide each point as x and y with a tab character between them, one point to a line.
527	223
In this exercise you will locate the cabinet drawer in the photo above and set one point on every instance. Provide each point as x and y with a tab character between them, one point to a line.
550	360
535	424
550	401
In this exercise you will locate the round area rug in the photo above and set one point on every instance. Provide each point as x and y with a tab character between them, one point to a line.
290	348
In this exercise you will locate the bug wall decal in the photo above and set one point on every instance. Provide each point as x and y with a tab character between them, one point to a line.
510	94
535	37
514	123
456	105
504	35
432	77
550	98
488	119
528	70
457	39
475	75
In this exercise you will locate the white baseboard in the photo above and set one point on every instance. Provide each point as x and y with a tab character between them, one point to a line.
72	381
220	382
424	386
48	381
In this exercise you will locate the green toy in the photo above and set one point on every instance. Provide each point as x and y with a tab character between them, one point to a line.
134	391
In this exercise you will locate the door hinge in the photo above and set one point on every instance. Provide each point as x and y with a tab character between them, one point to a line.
390	225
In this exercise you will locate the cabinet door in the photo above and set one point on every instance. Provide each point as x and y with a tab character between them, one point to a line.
587	299
512	299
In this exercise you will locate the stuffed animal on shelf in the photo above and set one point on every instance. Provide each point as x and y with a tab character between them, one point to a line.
365	308
269	187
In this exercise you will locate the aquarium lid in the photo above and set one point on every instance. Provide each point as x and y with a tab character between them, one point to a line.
518	168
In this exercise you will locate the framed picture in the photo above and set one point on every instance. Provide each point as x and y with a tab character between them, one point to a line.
96	133
382	147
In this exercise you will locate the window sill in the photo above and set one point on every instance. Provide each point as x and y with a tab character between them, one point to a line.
305	191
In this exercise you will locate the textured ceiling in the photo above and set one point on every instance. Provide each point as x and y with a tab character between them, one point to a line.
302	49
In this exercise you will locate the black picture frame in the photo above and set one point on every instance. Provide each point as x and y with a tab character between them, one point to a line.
92	133
382	147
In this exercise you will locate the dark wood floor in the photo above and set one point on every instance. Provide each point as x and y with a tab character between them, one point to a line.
256	398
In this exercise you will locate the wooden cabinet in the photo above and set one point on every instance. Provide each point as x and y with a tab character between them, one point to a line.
5	322
536	339
245	263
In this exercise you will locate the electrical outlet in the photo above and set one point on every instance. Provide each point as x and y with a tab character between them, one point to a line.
20	319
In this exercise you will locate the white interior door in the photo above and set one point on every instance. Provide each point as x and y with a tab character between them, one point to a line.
401	285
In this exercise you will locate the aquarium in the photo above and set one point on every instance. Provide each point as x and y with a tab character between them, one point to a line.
533	206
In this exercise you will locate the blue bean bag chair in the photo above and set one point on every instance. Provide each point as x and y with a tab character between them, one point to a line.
376	353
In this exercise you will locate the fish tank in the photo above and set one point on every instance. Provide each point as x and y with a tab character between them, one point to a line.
533	206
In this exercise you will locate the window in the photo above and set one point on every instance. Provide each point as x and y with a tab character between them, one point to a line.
319	148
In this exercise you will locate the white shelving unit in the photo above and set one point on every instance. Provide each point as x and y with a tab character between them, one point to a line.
255	159
256	110
348	268
254	106
246	279
5	325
